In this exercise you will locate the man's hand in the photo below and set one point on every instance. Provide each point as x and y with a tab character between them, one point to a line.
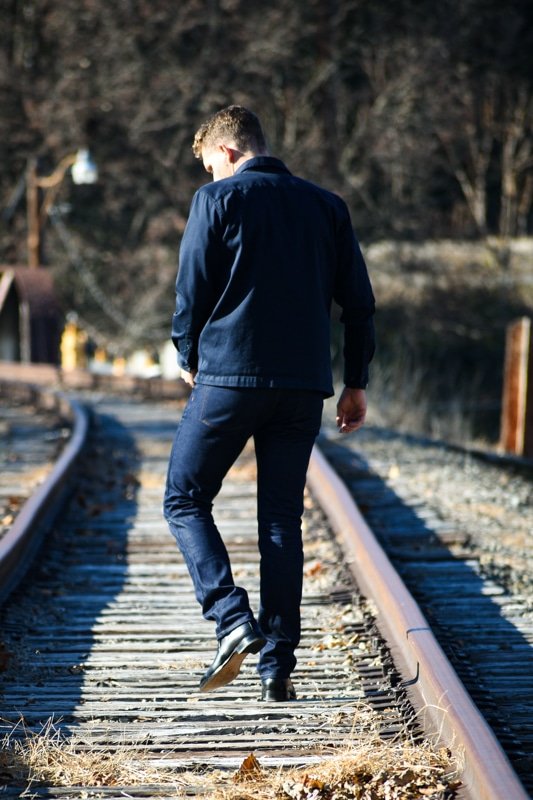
188	377
351	410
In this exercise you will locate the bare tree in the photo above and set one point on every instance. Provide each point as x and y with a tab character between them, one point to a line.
516	160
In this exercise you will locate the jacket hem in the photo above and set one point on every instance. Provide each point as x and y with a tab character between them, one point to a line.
262	382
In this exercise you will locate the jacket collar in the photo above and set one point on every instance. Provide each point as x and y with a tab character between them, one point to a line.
263	164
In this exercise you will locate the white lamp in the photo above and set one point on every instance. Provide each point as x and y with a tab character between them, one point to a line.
84	169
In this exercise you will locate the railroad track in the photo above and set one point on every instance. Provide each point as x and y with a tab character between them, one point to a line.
459	529
103	644
34	427
31	438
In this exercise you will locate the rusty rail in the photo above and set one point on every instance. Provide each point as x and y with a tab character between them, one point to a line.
20	543
436	690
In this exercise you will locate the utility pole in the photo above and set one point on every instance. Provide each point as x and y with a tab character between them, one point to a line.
83	171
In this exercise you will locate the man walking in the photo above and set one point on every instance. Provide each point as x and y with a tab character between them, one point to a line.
263	255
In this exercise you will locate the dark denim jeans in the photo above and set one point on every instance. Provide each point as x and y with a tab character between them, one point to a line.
214	428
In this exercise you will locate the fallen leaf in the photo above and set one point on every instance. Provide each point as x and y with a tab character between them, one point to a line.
14	501
249	769
313	783
313	569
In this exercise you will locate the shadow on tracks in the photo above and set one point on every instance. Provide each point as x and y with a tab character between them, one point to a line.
50	622
469	616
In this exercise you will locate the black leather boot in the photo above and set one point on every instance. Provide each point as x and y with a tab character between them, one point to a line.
278	690
232	650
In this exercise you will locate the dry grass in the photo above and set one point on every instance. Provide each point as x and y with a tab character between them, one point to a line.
370	770
51	758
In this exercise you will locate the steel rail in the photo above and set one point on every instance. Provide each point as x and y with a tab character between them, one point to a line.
448	711
19	544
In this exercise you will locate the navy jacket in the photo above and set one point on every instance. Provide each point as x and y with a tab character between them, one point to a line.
262	256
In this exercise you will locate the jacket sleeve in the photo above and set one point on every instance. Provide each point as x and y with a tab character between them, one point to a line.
353	293
196	297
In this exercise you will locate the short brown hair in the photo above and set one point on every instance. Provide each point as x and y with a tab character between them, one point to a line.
232	124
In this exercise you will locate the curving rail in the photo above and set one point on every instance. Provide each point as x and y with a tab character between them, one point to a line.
19	544
448	709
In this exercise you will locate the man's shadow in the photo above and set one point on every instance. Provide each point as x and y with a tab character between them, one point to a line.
484	647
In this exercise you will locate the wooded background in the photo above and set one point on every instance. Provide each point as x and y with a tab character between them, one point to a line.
420	114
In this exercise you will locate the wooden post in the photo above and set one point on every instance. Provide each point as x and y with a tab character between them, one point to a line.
34	225
517	406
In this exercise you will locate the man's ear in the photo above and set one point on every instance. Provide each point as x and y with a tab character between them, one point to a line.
230	153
